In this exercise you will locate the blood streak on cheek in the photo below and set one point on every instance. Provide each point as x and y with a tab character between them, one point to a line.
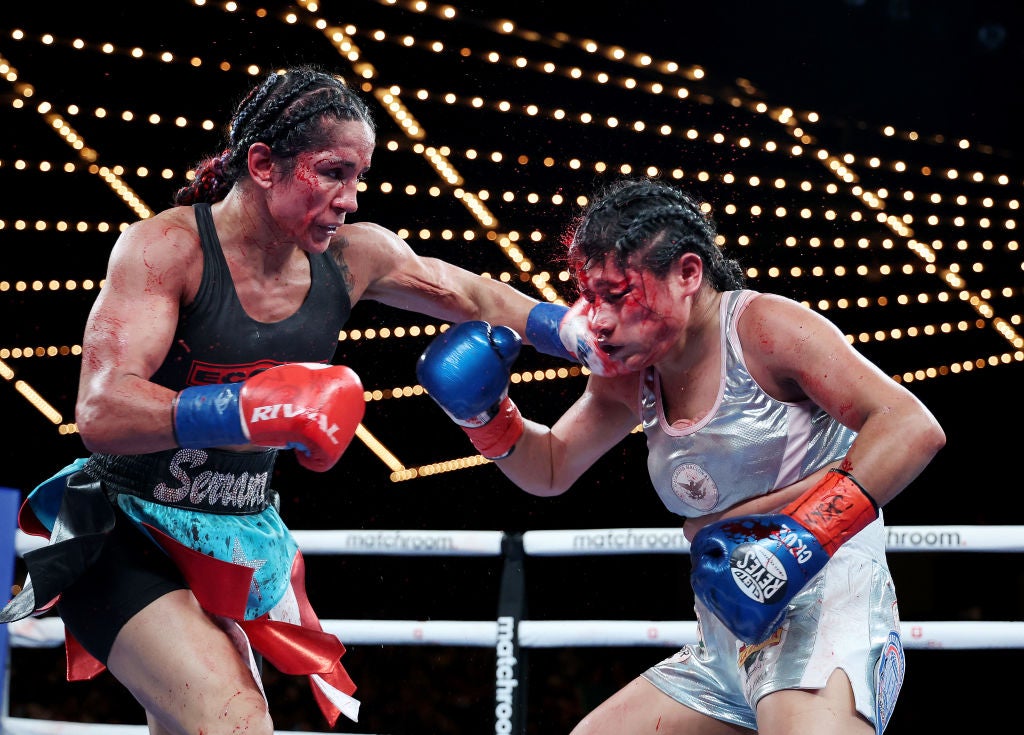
635	310
307	176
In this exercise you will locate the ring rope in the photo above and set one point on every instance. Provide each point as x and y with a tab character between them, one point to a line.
48	632
598	541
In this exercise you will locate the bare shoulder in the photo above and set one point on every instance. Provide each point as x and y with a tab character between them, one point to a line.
771	321
785	343
369	249
771	306
162	249
173	229
362	235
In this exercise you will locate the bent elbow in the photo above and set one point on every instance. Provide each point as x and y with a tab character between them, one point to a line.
544	491
546	487
935	437
90	424
91	437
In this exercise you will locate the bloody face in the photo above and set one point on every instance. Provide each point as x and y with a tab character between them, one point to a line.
310	202
634	312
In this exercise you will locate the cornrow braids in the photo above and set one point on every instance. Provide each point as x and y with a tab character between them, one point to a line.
288	112
649	224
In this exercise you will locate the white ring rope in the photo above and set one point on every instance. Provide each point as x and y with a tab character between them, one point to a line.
48	632
376	543
598	541
671	541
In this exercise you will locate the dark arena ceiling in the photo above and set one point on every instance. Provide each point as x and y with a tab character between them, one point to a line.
862	156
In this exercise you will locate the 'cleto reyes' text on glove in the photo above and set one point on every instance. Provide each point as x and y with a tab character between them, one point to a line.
746	570
310	407
466	370
565	332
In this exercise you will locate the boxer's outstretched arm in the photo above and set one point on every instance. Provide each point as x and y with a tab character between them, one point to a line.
466	371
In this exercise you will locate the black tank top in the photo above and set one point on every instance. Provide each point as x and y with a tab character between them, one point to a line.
217	342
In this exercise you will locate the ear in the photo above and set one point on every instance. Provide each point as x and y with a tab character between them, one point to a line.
690	272
261	164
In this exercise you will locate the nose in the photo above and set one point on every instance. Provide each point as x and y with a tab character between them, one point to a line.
346	199
602	321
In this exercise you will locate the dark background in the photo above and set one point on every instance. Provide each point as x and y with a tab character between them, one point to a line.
939	72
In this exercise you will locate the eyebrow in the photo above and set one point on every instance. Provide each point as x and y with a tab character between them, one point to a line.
603	281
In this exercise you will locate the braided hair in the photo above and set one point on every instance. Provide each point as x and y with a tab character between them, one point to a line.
288	111
649	224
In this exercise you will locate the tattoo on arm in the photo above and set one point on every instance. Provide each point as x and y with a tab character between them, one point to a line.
337	249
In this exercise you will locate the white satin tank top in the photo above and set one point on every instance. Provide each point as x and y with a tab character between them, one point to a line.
749	443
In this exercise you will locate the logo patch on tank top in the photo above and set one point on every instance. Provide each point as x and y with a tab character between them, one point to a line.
205	373
694	486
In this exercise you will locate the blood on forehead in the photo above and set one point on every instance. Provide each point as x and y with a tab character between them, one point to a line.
605	276
627	288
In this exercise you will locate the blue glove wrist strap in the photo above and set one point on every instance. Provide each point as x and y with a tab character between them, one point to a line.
542	330
208	416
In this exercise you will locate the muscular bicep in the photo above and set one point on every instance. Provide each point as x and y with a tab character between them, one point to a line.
797	354
548	461
594	424
128	331
386	269
793	346
127	336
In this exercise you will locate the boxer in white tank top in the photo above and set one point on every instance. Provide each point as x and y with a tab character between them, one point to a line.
774	440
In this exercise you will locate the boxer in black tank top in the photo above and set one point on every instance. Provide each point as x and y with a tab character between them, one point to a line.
218	342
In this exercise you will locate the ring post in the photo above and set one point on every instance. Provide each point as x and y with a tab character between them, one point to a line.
10	499
510	668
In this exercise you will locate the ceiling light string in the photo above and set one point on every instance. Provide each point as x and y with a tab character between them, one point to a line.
25	92
503	106
61	126
899	225
1012	294
611	52
390	99
782	114
645	61
983	208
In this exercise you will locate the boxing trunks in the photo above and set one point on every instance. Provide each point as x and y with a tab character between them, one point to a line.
212	513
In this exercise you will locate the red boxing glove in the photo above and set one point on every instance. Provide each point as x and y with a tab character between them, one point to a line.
309	407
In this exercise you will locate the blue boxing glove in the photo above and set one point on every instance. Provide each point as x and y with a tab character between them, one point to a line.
566	332
747	570
466	370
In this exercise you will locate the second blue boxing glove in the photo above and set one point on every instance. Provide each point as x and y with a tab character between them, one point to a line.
466	370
